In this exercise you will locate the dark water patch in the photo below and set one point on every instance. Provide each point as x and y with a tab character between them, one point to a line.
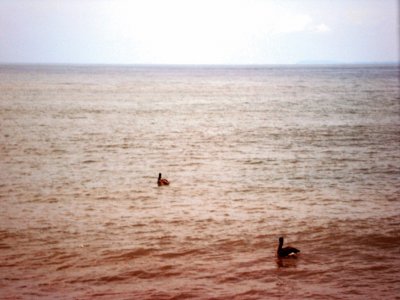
126	255
376	240
141	274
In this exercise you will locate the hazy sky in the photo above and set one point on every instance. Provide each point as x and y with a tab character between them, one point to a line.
198	31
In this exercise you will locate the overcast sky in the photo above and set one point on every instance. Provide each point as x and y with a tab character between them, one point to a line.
198	31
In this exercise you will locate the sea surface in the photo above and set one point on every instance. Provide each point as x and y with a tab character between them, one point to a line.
310	153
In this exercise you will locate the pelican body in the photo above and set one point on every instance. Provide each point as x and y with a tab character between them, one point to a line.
286	251
162	181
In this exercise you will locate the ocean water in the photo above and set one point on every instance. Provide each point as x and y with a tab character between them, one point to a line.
252	153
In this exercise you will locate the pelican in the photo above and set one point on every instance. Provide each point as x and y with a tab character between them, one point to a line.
286	251
162	181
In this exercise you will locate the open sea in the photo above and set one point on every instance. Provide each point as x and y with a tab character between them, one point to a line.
310	153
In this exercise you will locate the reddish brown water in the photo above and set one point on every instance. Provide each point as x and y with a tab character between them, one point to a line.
252	154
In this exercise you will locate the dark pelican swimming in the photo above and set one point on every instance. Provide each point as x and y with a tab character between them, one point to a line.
285	251
162	181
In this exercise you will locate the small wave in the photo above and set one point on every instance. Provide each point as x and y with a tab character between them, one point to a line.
120	277
253	162
89	161
183	295
252	294
227	245
138	225
182	253
141	274
377	240
4	246
140	252
109	224
63	267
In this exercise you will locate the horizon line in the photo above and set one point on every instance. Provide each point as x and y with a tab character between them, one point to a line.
301	63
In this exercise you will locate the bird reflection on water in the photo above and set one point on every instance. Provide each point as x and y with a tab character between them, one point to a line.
287	262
